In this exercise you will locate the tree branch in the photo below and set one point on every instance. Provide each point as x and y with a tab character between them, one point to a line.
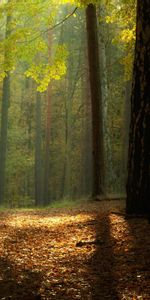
50	28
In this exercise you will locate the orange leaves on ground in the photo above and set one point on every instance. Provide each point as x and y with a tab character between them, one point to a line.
84	253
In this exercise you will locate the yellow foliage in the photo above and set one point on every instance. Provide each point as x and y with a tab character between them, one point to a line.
43	73
128	35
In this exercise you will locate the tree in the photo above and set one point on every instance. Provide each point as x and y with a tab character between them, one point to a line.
96	101
4	115
38	153
46	174
138	181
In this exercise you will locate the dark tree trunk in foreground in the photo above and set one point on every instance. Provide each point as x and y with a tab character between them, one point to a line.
138	182
96	101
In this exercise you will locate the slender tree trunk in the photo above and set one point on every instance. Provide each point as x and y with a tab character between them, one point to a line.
3	137
67	167
86	142
30	106
138	181
125	134
4	120
38	153
72	80
96	101
46	175
71	84
106	129
46	194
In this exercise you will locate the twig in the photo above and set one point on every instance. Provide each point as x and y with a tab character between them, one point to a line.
50	28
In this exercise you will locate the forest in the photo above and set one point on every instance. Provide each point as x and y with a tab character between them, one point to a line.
46	135
74	149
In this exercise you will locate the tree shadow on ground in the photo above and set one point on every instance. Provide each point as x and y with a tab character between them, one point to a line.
12	286
99	257
135	250
84	278
103	285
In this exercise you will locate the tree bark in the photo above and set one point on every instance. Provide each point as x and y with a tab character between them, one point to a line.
38	153
109	174
3	137
96	101
4	119
46	193
138	181
125	134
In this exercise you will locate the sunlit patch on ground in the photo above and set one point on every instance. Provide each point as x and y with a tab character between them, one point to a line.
45	245
129	263
46	221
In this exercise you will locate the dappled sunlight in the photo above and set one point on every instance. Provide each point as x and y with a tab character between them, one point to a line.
85	254
48	221
128	263
121	233
49	246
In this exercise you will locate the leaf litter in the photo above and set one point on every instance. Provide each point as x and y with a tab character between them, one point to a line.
86	252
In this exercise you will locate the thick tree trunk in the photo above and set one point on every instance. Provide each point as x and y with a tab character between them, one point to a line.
96	101
138	182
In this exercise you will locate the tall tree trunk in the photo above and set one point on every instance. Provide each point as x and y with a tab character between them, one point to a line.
4	120
96	101
29	85
138	182
38	153
109	174
86	142
67	165
125	134
3	137
71	83
71	86
46	175
46	195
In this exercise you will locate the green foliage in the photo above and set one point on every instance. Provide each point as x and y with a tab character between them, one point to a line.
26	52
26	41
122	15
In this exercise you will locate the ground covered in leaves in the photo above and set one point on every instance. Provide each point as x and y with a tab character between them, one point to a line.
87	252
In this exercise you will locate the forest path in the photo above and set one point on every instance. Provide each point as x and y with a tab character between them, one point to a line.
85	253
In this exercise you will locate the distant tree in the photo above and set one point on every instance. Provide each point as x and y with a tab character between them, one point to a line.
38	152
138	181
46	174
4	114
103	50
72	81
96	101
125	132
86	143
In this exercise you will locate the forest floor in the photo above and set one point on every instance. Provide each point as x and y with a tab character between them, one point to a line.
90	252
